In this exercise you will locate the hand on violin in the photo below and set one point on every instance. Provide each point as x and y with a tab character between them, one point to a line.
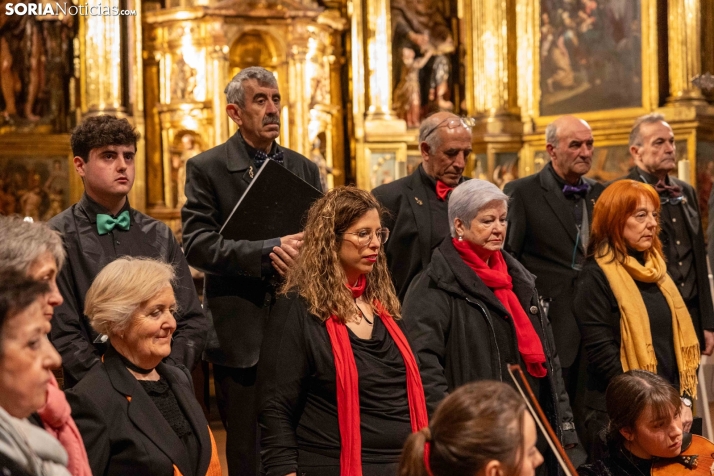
687	418
708	342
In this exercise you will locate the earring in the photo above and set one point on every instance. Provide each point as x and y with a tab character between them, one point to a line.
461	238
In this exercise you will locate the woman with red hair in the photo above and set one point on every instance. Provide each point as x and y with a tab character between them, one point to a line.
630	312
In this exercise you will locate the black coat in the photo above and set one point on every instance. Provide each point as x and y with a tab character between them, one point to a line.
704	319
449	314
542	235
598	316
239	287
123	431
409	219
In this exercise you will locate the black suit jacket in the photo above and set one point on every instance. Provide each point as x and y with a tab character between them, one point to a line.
122	429
238	289
705	317
542	235
409	219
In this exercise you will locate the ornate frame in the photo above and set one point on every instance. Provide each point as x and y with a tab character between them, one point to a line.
44	147
375	149
528	57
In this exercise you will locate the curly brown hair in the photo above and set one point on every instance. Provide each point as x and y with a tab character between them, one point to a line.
101	131
318	275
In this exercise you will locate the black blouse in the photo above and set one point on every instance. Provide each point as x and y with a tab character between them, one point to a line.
598	316
297	383
163	397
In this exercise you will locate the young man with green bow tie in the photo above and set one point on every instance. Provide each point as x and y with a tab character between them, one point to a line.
102	227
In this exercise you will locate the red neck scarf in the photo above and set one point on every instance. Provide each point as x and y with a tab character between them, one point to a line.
359	286
495	276
348	408
442	190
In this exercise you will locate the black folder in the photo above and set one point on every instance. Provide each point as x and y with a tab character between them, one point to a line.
275	204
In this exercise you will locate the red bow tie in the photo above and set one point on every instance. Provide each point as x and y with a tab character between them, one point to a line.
442	190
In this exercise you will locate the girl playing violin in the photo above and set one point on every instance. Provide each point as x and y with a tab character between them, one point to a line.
645	424
481	429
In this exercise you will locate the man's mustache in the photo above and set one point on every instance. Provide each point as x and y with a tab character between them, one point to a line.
271	119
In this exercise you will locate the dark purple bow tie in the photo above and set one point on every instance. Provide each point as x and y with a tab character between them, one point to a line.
580	191
673	191
261	157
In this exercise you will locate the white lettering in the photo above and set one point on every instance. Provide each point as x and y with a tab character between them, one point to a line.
20	6
48	10
61	8
74	10
8	9
32	9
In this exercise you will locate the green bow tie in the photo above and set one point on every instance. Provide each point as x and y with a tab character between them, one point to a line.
105	223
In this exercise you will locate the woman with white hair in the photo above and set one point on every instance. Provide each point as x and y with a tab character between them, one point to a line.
474	310
136	414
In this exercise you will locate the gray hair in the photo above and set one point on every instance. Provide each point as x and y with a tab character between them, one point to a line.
235	92
21	243
635	137
469	198
119	290
551	134
427	128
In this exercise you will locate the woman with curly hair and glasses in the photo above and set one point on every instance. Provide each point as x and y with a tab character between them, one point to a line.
339	385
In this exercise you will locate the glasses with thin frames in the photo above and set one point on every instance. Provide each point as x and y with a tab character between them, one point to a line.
453	123
364	237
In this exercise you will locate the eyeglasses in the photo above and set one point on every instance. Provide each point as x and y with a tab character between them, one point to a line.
452	123
364	237
671	200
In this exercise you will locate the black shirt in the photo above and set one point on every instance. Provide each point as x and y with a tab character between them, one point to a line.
88	253
676	242
598	315
439	210
576	201
297	382
660	327
163	397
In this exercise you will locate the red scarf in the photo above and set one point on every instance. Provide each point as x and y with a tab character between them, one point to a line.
495	276
57	418
348	407
442	190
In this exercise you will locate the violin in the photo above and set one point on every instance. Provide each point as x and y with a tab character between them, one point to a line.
524	388
696	460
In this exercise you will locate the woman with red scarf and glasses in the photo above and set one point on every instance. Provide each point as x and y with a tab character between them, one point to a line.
474	310
339	387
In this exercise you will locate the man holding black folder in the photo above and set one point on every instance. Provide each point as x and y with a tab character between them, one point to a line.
241	275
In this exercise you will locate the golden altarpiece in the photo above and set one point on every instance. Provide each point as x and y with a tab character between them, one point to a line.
356	77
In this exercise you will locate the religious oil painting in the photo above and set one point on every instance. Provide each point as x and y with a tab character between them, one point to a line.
424	53
34	187
590	55
384	168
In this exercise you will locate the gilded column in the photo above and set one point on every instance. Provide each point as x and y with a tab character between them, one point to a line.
379	60
493	45
101	62
684	47
299	88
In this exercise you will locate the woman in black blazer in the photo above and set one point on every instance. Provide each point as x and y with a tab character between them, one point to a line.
136	414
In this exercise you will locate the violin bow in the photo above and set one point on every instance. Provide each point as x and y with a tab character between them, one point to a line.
540	419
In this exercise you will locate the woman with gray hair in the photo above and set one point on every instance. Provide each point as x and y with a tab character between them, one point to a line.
474	310
136	414
33	250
